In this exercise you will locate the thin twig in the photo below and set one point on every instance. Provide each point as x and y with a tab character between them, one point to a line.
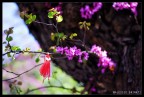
10	71
18	75
17	52
44	23
50	87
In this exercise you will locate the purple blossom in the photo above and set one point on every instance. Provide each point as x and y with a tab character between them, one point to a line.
133	4
125	5
103	70
85	55
96	49
59	8
59	50
97	6
72	52
80	59
102	54
120	5
78	52
104	60
87	12
93	89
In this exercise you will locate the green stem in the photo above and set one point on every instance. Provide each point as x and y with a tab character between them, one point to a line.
57	43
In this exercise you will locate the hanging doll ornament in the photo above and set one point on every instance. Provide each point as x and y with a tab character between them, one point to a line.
45	69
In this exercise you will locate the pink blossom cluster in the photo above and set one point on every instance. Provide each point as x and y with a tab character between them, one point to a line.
72	52
126	5
59	8
87	12
104	60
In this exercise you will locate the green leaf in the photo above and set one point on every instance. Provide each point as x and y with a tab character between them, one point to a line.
73	35
9	38
52	36
40	50
33	17
27	49
37	60
64	37
13	58
18	49
28	21
30	17
51	14
15	48
88	24
61	35
8	54
80	23
81	26
54	50
59	18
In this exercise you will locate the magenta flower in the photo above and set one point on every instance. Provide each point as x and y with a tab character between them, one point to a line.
125	5
80	59
88	11
103	70
96	49
72	52
59	50
85	54
59	8
104	60
93	89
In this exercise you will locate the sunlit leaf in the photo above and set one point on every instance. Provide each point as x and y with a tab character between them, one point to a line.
88	23
28	21
80	23
59	18
60	35
73	35
64	37
40	50
52	36
15	48
51	14
33	17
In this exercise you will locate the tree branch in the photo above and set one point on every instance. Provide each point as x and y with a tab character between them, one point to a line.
71	89
18	75
17	52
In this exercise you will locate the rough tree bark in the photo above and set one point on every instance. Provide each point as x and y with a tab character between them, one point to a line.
116	32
